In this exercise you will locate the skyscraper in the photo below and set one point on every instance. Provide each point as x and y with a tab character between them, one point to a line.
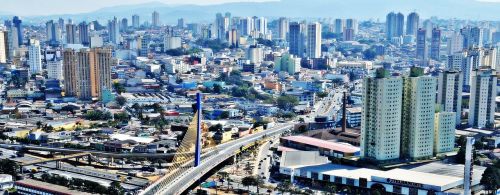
114	31
51	32
381	116
417	131
55	69
283	27
455	43
261	26
339	25
313	47
35	58
352	24
83	30
124	25
482	97
135	21
476	36
297	39
421	51
155	19
444	132
71	35
450	86
87	72
18	31
222	26
435	44
4	46
394	25
412	24
287	63
69	72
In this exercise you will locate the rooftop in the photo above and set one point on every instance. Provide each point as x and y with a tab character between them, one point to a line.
341	147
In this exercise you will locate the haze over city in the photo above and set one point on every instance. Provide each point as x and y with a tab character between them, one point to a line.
278	97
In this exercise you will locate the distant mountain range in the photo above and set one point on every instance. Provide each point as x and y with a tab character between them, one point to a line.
361	9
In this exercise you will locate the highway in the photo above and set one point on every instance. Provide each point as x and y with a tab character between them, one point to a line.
93	152
222	152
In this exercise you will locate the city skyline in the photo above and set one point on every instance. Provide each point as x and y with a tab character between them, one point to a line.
198	10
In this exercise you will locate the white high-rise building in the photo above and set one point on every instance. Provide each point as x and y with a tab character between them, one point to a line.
4	46
35	59
313	40
255	54
155	21
456	61
381	116
417	133
444	132
172	43
55	69
283	28
450	92
455	43
287	63
482	97
174	66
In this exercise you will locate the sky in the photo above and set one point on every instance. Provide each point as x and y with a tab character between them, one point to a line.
50	7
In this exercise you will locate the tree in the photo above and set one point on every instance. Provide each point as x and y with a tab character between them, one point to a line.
284	186
119	88
249	181
369	54
215	128
115	188
224	115
120	100
217	89
287	102
225	176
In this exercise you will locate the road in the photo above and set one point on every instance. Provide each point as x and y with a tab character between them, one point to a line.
93	152
327	106
222	152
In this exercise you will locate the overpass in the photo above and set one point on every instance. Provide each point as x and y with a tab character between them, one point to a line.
179	181
93	152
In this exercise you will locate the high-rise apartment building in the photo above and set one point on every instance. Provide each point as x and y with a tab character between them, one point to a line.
55	69
124	25
135	21
444	132
287	63
482	97
71	34
352	24
283	26
417	126
87	72
114	31
339	25
4	46
155	22
421	51
35	57
83	30
455	43
412	24
297	39
394	25
313	42
435	44
17	32
450	86
381	116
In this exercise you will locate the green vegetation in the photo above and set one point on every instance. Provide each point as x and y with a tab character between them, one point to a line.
287	102
491	178
266	42
9	167
119	88
120	100
181	51
216	45
96	115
